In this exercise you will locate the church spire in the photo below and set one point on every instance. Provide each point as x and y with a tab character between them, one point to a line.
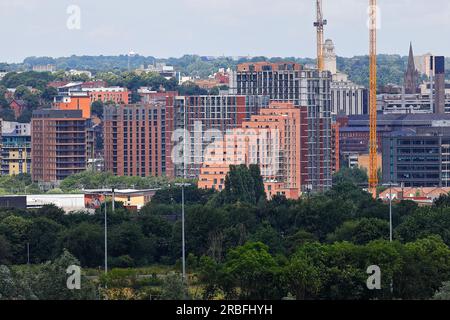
411	75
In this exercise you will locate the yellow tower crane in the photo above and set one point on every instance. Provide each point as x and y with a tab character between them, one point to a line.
373	166
319	24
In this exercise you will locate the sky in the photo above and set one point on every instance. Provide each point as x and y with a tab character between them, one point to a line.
172	28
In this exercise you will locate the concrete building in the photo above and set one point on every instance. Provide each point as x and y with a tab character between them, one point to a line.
305	88
438	66
423	65
44	68
348	98
149	96
425	88
74	100
135	139
417	159
116	95
67	202
354	131
59	142
80	96
15	148
329	57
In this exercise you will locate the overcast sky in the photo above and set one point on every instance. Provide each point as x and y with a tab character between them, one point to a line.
171	28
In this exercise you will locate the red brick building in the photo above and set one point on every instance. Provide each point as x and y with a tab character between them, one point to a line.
134	139
276	139
59	141
18	106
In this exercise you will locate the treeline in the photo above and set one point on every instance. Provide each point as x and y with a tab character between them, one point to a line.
415	270
391	68
23	184
241	245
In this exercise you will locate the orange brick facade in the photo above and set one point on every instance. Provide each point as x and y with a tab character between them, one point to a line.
59	140
275	139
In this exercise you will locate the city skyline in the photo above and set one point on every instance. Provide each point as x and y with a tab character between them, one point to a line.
177	27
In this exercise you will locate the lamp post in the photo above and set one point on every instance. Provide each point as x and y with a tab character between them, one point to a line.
390	185
113	199
183	185
106	238
183	232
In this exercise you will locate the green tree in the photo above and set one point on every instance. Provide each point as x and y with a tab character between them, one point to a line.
243	184
253	270
127	239
361	231
52	212
43	236
355	175
5	250
302	277
97	108
16	231
13	287
49	282
86	242
443	293
443	201
174	288
426	265
49	94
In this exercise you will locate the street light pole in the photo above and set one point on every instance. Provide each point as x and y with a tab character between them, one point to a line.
390	211
113	199
390	184
183	232
106	239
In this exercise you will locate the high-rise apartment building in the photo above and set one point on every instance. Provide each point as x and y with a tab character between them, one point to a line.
206	118
305	88
135	139
15	148
276	139
59	142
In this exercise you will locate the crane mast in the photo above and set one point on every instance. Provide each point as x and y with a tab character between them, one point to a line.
319	24
373	165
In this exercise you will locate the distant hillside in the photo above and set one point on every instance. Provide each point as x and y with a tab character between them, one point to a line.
391	68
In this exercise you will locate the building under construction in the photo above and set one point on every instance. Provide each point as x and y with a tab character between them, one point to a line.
305	88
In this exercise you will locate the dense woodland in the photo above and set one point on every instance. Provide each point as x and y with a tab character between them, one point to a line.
239	245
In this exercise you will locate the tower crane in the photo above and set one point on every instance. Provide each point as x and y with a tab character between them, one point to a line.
319	24
373	165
